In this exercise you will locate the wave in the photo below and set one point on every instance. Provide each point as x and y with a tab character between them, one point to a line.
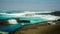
46	15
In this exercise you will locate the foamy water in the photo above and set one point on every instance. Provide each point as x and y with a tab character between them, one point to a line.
12	21
24	16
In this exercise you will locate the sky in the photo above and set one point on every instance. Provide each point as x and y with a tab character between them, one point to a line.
29	4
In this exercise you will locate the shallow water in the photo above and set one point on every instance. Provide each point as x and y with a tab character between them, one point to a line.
10	27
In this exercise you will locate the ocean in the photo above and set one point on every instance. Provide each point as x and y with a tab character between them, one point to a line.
23	16
12	27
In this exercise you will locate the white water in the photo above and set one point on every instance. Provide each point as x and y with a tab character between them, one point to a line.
32	14
12	21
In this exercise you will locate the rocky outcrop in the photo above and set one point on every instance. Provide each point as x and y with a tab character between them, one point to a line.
56	13
58	20
7	21
21	21
2	21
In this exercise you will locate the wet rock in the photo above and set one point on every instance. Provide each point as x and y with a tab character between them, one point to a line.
58	20
2	21
20	21
56	13
13	21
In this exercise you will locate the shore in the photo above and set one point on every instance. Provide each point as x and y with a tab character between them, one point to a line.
38	28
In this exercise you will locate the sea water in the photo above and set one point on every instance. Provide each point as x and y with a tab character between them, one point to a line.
33	19
12	27
9	27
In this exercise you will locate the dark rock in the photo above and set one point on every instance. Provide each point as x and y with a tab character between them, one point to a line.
5	21
26	21
2	21
58	20
56	13
22	21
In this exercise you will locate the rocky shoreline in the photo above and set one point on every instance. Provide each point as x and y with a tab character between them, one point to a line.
38	28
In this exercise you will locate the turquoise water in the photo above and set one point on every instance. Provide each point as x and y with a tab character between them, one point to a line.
33	19
9	27
12	27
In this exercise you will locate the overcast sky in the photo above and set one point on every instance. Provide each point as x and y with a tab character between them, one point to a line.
29	4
